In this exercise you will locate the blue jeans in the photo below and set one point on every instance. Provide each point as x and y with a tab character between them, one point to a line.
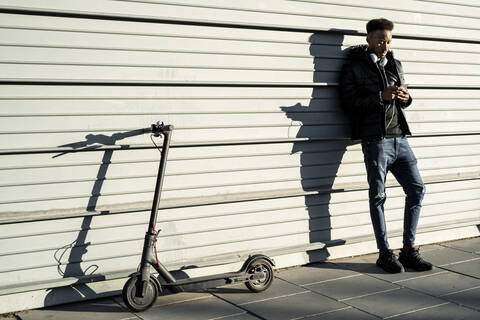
395	155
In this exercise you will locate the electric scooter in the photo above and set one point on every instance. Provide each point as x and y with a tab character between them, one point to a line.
142	288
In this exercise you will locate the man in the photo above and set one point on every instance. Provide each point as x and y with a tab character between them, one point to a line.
374	94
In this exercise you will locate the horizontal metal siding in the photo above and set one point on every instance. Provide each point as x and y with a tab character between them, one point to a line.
71	177
258	126
91	56
321	15
71	182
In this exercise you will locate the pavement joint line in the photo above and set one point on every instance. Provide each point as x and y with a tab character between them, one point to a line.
314	292
322	313
228	316
375	277
273	298
459	249
459	291
461	273
137	316
183	301
133	316
421	276
458	262
239	306
416	310
369	294
330	280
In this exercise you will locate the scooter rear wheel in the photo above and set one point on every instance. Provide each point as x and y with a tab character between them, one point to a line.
260	266
137	303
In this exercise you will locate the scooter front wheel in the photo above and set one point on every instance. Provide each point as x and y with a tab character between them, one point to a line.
133	298
263	268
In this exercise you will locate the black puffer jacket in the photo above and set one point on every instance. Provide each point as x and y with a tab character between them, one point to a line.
359	89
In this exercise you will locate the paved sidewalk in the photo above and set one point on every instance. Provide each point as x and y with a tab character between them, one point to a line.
351	288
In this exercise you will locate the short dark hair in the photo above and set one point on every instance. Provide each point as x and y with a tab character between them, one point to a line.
379	24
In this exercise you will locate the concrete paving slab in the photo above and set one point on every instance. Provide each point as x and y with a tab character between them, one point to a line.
469	298
396	302
293	306
366	264
445	255
469	245
447	311
343	314
470	268
315	273
351	287
103	309
203	309
441	283
239	294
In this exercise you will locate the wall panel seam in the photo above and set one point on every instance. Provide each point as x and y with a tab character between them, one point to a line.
203	23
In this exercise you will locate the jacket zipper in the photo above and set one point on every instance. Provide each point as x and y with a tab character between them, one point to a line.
384	86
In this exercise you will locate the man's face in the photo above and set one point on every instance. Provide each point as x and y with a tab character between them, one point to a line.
379	42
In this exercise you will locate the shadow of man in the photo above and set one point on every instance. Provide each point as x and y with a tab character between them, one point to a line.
71	267
324	130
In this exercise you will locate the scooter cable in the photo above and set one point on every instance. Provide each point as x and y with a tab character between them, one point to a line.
153	141
155	234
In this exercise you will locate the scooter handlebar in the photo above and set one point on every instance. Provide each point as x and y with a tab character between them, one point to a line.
159	128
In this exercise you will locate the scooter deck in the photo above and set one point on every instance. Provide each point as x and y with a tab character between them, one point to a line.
232	276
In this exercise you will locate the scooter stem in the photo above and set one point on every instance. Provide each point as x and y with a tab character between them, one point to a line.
150	237
167	133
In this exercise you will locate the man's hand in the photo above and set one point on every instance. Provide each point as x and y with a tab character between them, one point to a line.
389	93
402	94
393	92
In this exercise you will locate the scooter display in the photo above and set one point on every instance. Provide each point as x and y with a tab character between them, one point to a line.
143	287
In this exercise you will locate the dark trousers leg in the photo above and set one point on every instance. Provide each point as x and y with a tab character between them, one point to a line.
406	172
377	155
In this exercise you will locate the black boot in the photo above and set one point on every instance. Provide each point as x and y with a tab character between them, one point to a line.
388	261
410	258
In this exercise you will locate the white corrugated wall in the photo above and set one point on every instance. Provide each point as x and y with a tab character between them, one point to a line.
260	155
